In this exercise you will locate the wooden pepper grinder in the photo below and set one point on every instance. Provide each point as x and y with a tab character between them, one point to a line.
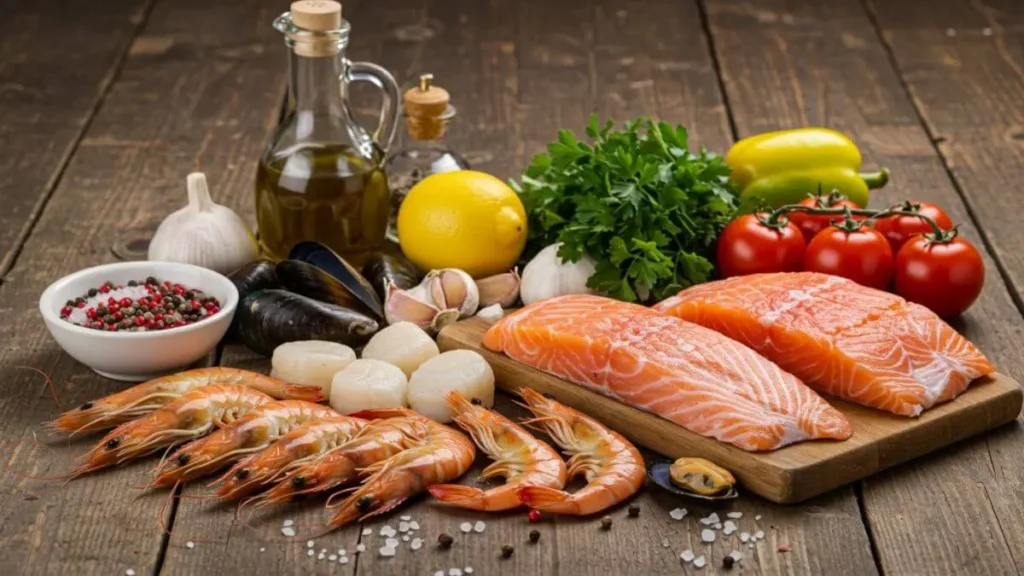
428	113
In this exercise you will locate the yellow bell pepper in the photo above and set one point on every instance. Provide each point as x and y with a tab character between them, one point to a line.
783	167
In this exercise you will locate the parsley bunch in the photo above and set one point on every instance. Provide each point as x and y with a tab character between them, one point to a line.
637	201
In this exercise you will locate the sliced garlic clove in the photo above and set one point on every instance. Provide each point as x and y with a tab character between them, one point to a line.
500	289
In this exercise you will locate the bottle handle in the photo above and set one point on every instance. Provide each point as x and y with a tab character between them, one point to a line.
389	112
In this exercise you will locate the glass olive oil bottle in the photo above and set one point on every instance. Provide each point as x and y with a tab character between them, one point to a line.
321	176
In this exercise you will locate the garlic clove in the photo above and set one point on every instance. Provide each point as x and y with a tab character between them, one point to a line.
491	314
502	289
444	318
453	288
403	306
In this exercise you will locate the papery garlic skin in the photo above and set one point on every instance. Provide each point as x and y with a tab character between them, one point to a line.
204	233
546	276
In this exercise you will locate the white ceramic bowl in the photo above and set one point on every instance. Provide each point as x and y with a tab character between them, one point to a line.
137	356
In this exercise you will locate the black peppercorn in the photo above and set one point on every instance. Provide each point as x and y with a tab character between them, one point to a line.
93	292
445	541
79	300
606	523
634	511
69	303
728	562
133	283
506	551
534	535
190	295
101	310
150	280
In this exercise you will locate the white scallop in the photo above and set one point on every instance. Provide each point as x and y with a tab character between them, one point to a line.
403	344
461	370
310	362
366	384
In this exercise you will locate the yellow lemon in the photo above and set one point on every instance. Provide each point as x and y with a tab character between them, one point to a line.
464	219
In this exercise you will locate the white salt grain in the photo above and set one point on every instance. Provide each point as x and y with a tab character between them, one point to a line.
403	526
367	531
309	544
129	572
468	569
263	549
387	531
387	551
310	552
950	32
405	537
735	515
343	560
288	531
687	556
677	514
713	519
744	536
758	517
664	542
707	535
730	527
391	543
455	572
360	548
986	31
439	573
321	556
699	562
466	527
479	527
736	555
323	550
759	535
288	523
414	525
405	518
190	545
416	544
717	526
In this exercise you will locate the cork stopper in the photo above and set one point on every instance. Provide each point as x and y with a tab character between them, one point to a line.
426	109
316	16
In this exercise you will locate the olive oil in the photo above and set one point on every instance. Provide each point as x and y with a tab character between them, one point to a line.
322	192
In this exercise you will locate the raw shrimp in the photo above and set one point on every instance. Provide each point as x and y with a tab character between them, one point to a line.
519	457
144	398
301	445
445	455
380	440
612	466
194	414
250	433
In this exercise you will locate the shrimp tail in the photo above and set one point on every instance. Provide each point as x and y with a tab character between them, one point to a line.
380	413
313	394
548	499
464	496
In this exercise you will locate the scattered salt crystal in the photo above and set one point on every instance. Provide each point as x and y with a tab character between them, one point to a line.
730	527
677	514
699	562
466	527
360	548
391	543
405	518
735	515
468	569
403	526
310	552
321	556
343	560
387	531
986	31
758	517
479	526
263	549
664	542
439	573
323	550
950	32
129	572
736	555
288	523
309	543
405	537
744	536
713	519
759	535
190	545
414	525
717	526
687	556
707	535
455	572
416	544
751	544
367	531
288	531
387	551
341	552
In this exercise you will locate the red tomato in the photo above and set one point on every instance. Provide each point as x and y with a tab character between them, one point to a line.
900	228
748	246
863	256
946	277
811	224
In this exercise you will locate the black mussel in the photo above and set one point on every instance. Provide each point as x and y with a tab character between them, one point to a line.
382	268
269	318
694	478
254	276
327	260
308	280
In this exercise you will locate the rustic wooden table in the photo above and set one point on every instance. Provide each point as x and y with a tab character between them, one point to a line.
105	106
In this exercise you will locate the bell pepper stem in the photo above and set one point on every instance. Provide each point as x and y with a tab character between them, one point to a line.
876	179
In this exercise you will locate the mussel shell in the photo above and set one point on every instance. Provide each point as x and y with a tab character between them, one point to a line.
308	280
658	474
327	260
256	275
382	268
269	318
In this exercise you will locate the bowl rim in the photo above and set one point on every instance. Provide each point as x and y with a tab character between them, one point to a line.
227	309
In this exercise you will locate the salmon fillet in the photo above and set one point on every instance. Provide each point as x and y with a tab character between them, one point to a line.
841	338
680	371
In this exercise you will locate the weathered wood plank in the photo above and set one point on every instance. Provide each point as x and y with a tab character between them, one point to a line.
57	60
787	65
177	98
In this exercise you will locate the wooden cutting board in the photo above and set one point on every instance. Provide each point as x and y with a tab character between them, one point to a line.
791	474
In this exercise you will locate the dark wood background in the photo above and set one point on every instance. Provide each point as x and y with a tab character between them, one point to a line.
106	106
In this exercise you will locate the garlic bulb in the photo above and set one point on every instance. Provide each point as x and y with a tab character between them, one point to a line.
204	233
443	297
547	276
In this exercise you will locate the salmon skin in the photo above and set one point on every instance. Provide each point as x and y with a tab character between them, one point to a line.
680	371
841	338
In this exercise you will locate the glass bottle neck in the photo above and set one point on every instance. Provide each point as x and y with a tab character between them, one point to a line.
316	84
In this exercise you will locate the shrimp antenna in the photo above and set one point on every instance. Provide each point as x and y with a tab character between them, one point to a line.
47	384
